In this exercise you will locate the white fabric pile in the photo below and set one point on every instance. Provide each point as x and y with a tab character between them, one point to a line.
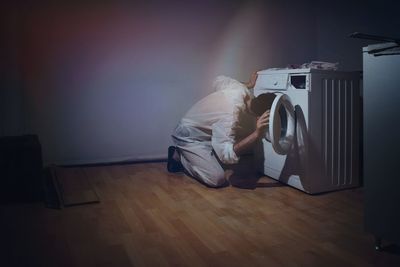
320	65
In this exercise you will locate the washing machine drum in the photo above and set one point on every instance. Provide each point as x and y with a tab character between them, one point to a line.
281	129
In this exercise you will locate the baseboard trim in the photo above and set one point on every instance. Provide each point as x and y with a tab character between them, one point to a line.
110	163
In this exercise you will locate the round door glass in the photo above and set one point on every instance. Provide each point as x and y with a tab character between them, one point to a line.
283	117
282	124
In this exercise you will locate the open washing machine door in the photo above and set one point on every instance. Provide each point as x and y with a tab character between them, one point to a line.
282	124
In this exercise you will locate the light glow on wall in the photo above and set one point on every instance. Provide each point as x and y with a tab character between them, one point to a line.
241	43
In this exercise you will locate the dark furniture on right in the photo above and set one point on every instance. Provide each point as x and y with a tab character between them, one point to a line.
381	65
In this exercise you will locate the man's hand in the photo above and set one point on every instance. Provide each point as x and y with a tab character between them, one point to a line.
262	123
245	144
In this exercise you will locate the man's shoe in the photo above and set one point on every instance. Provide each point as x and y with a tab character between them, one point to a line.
172	164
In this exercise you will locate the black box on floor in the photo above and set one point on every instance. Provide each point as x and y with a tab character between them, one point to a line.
20	169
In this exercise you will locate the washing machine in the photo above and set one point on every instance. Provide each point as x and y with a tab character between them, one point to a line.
313	139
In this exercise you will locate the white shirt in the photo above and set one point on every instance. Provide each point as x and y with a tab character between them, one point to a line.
216	117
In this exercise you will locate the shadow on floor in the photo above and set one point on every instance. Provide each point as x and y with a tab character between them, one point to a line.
252	183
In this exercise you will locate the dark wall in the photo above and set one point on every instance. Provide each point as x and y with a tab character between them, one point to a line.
11	106
336	20
109	81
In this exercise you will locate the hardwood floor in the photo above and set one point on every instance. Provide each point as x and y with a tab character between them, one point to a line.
148	217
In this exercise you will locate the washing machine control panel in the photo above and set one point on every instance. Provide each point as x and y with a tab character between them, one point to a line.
283	81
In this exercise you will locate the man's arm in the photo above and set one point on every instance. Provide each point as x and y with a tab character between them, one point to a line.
243	145
252	81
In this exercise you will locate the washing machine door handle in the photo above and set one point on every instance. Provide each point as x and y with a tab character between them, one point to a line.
282	141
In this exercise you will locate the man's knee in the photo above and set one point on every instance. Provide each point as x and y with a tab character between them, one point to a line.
216	179
212	177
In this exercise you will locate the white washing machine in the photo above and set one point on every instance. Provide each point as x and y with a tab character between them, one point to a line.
312	142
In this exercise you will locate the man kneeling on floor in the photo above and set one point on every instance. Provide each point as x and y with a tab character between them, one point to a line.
210	135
